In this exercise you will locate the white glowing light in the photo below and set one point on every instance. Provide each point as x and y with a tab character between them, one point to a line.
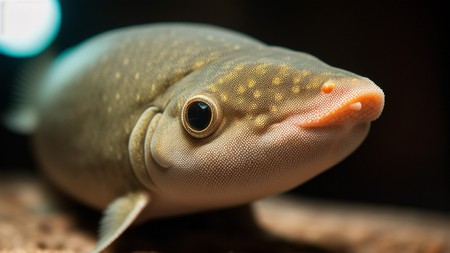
27	27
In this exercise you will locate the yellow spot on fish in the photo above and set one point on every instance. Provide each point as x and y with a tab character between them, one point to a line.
220	80
126	61
117	75
297	79
223	97
137	75
296	89
240	89
304	72
117	96
109	109
276	81
253	106
230	76
198	64
256	94
179	104
274	108
138	97
153	87
251	83
239	67
212	88
236	47
278	96
261	69
260	120
283	70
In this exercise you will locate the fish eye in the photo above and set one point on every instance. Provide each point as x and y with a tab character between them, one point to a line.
200	116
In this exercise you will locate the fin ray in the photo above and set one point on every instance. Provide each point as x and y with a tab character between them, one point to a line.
119	215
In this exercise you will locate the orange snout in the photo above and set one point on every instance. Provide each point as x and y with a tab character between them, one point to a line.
364	108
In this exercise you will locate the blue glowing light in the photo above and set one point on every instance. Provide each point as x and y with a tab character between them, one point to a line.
28	27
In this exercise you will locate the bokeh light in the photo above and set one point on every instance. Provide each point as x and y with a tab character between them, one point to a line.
27	27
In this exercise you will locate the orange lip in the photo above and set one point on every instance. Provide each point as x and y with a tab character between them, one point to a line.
364	108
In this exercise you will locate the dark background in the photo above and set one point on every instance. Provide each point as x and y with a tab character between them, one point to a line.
400	46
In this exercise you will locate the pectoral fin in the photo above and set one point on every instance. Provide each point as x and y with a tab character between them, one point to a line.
118	216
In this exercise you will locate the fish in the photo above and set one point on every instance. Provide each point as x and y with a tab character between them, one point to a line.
167	119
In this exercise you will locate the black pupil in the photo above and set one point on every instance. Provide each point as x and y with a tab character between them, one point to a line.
199	115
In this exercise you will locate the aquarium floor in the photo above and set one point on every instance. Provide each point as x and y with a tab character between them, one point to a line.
34	217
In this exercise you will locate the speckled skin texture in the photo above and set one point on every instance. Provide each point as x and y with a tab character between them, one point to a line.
111	127
110	82
110	118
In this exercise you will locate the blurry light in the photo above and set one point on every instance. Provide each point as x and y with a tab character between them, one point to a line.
27	27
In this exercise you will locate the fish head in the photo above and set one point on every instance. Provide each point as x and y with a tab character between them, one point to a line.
258	127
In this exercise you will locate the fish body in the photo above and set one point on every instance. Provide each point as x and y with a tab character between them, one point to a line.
167	119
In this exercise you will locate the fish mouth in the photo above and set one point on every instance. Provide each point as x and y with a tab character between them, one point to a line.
348	102
364	108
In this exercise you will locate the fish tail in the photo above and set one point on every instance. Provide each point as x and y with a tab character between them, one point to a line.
22	115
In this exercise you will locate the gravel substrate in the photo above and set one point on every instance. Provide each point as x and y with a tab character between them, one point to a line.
36	218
